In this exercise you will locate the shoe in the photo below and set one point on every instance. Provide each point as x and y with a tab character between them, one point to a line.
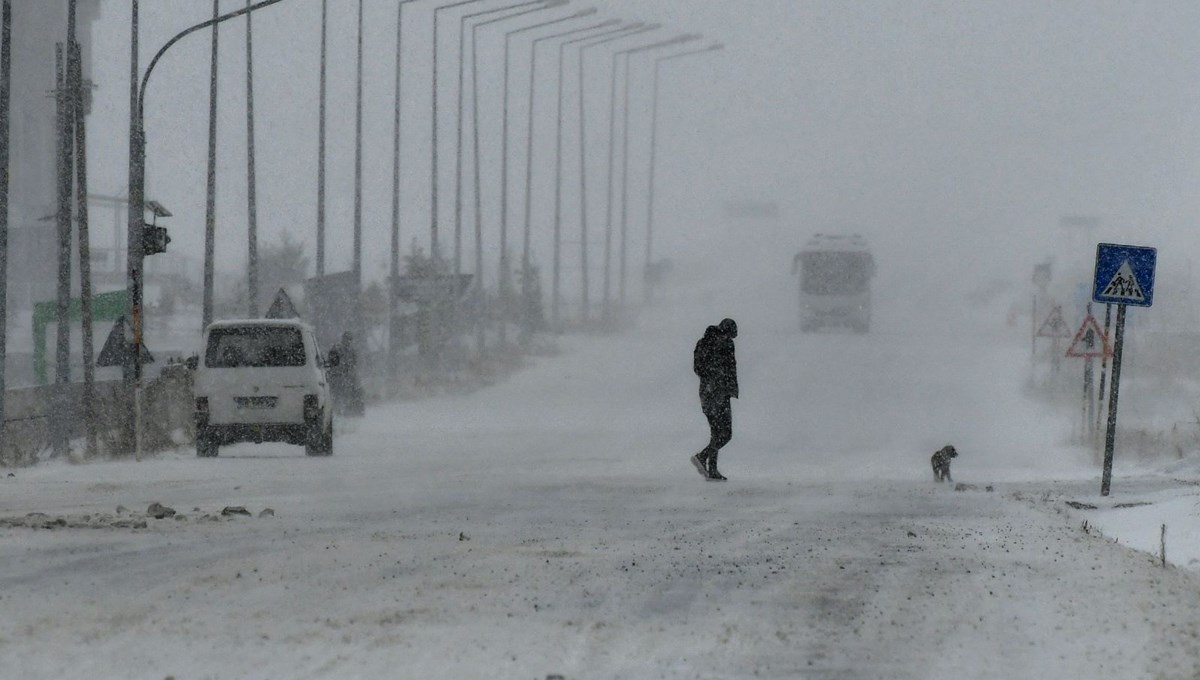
714	475
700	465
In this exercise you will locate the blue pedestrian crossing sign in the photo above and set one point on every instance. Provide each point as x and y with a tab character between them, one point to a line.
1124	275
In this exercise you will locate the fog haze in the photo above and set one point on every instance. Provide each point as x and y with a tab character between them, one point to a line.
524	501
965	128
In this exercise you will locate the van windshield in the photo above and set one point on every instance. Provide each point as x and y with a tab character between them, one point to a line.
256	346
836	273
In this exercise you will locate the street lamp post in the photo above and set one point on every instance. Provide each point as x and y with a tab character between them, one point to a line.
505	285
555	288
434	249
612	145
526	292
478	183
132	367
458	145
654	154
585	311
437	323
394	269
625	153
513	10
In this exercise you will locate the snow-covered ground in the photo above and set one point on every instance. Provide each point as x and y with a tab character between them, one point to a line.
552	524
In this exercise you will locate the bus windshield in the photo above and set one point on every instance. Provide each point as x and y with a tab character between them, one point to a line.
836	273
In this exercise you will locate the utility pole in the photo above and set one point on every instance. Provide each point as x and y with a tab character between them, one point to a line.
132	368
358	184
321	147
85	260
394	269
62	358
5	106
210	211
251	182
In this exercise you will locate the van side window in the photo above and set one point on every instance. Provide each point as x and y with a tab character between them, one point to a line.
254	346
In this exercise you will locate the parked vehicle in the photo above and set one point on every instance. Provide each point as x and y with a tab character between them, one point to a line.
262	380
835	282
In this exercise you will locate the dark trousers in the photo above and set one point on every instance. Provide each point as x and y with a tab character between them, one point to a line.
720	425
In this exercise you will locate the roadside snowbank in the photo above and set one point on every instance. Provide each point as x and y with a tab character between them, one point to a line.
1141	503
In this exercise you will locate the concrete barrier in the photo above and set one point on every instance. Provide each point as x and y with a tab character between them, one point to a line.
167	415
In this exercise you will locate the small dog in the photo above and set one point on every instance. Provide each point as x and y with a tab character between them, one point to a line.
941	463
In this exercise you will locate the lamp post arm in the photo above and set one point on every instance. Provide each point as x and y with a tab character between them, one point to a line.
688	53
183	34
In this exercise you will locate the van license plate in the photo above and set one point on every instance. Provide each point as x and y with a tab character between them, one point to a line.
255	402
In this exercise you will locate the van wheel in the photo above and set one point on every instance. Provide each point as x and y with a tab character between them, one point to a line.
329	439
205	446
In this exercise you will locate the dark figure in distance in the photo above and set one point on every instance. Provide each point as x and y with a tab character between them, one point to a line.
941	463
343	377
714	362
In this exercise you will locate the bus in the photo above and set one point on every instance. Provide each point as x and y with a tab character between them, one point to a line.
835	273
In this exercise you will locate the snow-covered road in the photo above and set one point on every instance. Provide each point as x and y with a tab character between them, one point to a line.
551	524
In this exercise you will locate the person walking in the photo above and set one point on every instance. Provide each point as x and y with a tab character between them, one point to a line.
343	377
715	363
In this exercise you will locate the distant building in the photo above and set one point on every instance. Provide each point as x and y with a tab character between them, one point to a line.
38	26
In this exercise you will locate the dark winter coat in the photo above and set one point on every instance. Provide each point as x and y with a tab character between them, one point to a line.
714	362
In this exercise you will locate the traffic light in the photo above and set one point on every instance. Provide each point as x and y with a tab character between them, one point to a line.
154	239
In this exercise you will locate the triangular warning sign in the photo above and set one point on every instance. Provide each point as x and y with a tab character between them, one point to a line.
1124	285
282	307
116	349
1054	326
1089	341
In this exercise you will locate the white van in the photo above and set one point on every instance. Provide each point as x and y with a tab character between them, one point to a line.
262	380
835	282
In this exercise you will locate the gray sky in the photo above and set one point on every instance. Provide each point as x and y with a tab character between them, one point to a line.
960	128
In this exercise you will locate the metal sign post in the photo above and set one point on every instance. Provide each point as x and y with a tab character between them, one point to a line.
1089	342
1124	276
1041	279
1089	404
1110	435
1103	363
1054	327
